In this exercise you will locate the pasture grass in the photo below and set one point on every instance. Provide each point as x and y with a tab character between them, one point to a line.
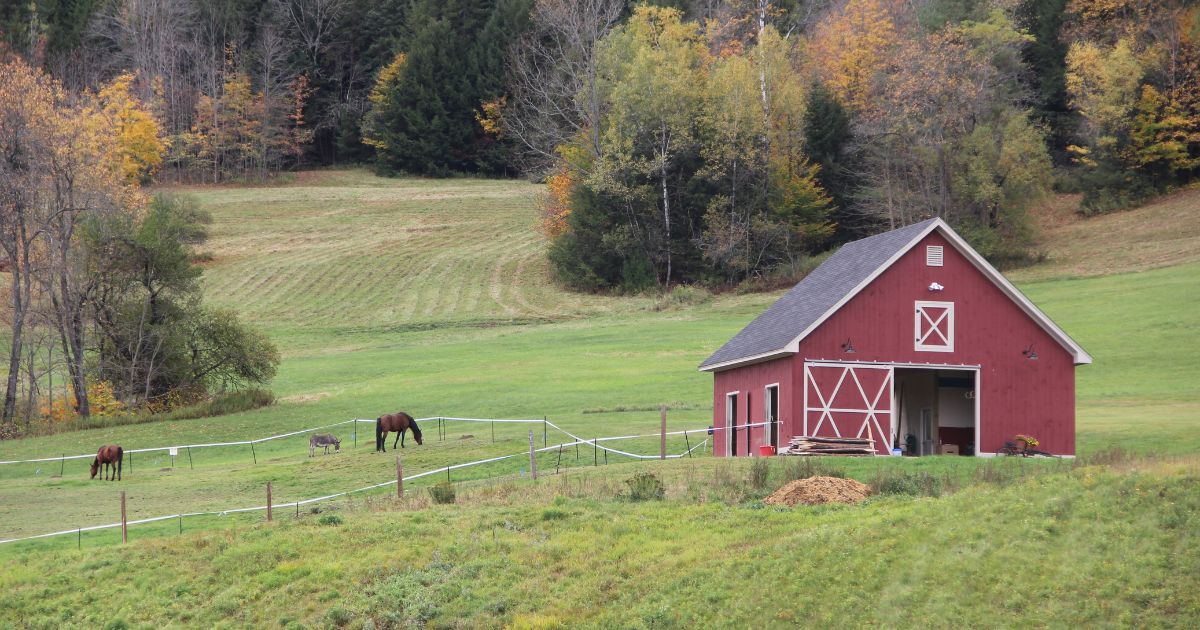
1046	543
433	297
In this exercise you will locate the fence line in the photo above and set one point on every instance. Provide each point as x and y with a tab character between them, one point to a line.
247	442
298	503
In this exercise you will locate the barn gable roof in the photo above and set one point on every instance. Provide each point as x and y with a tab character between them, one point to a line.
778	330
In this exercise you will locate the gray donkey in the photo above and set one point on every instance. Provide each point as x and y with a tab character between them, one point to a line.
325	441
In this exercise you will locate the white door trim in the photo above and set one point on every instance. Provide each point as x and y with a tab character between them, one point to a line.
767	407
730	420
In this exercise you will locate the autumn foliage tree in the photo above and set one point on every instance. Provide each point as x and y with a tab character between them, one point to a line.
1133	77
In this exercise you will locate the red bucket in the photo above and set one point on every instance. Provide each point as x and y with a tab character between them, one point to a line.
766	450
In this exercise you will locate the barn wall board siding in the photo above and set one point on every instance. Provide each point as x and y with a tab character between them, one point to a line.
752	380
1016	395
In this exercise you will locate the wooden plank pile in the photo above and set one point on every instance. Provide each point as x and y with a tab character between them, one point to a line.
809	445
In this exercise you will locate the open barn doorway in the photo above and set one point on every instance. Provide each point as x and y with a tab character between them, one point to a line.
936	410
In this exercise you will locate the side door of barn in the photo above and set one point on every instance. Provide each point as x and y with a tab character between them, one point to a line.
849	400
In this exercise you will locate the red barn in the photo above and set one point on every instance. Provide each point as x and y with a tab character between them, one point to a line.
908	337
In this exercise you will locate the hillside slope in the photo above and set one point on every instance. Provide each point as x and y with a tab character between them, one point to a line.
1109	543
1162	233
344	251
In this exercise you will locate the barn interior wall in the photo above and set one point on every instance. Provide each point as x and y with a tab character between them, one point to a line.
915	390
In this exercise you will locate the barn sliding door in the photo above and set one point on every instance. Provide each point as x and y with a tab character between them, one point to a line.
849	400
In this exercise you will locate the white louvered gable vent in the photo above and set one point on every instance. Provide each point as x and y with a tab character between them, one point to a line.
933	255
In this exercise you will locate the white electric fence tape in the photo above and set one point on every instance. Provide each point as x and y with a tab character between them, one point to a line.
443	469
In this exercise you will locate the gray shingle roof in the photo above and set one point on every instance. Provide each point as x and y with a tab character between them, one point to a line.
818	292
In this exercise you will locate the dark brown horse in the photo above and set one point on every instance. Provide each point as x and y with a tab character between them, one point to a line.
398	422
111	457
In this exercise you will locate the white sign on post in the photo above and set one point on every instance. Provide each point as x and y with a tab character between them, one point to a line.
174	451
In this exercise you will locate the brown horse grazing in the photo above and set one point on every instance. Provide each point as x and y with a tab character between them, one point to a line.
111	457
398	422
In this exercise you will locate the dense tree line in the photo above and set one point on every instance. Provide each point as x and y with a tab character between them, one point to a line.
680	140
719	141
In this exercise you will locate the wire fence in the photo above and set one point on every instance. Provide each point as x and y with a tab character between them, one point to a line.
576	441
189	447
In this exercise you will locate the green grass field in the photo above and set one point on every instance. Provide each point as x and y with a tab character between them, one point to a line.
433	296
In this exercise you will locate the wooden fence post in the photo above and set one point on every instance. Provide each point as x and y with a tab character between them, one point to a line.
399	479
268	501
662	434
532	457
124	530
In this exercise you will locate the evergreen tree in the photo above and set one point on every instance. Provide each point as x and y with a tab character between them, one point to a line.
1046	57
427	121
827	135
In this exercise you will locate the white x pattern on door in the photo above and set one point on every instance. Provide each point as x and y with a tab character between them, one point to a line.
870	404
934	326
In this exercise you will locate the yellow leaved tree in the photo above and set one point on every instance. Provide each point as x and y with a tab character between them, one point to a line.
138	134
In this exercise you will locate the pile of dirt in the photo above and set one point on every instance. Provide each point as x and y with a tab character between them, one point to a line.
818	490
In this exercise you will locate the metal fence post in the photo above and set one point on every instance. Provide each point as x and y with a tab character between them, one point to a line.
662	433
253	454
399	478
124	525
269	502
532	457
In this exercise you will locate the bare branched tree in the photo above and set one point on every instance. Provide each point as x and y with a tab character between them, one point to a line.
554	92
312	23
153	39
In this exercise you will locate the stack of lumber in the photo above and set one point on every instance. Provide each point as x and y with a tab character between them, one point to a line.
808	445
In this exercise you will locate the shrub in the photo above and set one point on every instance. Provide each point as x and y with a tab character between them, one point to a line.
759	469
330	519
645	486
805	467
909	483
442	493
338	616
225	404
1108	189
552	514
682	296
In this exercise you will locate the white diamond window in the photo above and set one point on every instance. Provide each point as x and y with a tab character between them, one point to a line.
934	326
